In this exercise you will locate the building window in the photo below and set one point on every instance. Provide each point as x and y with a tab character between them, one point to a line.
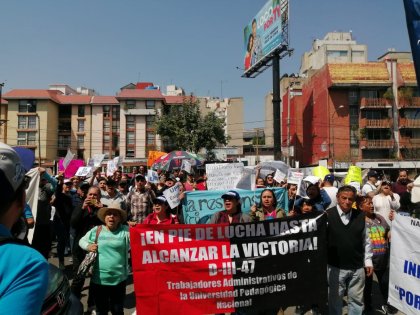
150	138
353	98
107	110
337	53
107	139
31	122
80	141
115	126
130	122
26	138
129	153
107	126
369	93
64	141
21	122
81	126
130	104
27	106
81	111
131	138
150	104
150	122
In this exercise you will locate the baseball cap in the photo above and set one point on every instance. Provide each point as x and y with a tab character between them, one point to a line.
372	173
329	178
160	199
12	171
231	194
172	178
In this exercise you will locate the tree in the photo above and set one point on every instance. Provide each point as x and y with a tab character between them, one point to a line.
184	128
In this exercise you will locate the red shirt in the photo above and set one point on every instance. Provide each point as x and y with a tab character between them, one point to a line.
152	219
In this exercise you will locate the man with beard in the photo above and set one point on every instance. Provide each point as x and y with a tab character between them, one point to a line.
400	186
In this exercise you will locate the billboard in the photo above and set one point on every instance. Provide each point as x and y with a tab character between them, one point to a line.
265	33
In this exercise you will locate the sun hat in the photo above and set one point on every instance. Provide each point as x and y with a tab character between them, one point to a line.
114	205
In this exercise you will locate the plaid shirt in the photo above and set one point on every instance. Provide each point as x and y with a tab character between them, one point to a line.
139	205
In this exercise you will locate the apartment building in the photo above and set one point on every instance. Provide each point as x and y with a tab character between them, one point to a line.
364	114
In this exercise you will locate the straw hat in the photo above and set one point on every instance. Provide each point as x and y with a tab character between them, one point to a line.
114	205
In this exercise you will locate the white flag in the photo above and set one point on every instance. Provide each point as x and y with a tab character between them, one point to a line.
68	158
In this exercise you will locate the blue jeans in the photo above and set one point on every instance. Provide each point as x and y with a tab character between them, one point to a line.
340	280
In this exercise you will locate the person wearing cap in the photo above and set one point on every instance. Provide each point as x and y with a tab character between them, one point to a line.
110	270
139	201
370	189
23	270
232	212
161	213
112	194
328	187
386	201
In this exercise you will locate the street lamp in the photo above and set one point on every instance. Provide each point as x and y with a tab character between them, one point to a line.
289	89
332	137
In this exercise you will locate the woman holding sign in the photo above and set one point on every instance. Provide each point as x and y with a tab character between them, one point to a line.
267	209
161	213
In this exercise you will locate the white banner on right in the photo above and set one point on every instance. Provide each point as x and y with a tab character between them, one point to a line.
404	274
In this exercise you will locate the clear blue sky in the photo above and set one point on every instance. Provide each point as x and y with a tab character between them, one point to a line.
195	44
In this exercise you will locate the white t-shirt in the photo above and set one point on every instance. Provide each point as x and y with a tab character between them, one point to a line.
367	188
332	193
384	204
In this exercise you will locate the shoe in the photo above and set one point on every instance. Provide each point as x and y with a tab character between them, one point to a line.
389	309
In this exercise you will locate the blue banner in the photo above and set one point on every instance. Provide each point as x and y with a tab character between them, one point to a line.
199	206
412	14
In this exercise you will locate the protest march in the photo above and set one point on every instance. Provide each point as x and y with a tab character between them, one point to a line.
226	238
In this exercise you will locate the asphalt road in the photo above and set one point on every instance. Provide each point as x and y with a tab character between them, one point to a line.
130	302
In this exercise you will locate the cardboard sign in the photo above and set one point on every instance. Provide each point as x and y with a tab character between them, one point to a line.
111	167
223	175
186	166
83	171
97	160
279	176
152	176
172	196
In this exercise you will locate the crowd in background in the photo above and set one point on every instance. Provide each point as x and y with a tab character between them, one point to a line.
71	210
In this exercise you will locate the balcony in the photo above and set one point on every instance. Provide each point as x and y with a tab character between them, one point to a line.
410	143
408	123
375	103
375	123
376	144
412	102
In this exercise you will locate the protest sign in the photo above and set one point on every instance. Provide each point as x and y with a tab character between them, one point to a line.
68	158
97	160
118	160
71	168
186	166
279	176
152	176
91	162
320	171
172	195
223	175
354	174
404	280
83	171
199	206
221	268
111	167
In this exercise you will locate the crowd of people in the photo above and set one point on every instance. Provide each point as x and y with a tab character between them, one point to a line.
95	214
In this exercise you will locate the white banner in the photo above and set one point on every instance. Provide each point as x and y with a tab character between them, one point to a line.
404	274
172	195
83	171
68	158
223	176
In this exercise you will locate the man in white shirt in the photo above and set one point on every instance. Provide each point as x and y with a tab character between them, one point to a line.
370	189
327	185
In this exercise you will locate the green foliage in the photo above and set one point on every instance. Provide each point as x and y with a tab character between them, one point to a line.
186	129
258	141
406	92
389	94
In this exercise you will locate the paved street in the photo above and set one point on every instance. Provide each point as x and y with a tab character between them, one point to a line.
130	303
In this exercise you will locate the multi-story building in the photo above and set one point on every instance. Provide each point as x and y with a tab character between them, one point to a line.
364	114
52	121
